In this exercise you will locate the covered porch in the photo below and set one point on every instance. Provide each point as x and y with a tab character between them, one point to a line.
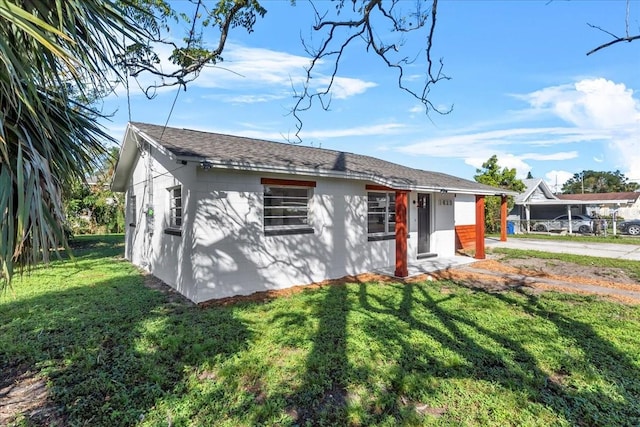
426	266
401	233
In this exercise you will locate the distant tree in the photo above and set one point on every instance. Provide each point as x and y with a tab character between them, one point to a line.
529	176
91	207
491	174
598	182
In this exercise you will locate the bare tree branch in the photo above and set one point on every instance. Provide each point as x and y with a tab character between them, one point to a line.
371	14
344	25
616	39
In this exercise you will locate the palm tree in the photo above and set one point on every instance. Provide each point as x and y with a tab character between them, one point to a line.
52	55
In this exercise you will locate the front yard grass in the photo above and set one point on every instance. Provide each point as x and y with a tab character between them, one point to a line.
580	238
114	352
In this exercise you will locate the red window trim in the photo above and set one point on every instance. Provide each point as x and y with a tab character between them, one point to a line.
374	187
290	182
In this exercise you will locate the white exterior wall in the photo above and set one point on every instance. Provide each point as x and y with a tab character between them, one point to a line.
412	227
223	250
628	211
443	237
465	209
232	256
146	244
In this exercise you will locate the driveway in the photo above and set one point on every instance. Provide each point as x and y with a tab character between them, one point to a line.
604	250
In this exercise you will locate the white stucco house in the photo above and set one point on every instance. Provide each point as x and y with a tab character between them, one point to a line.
217	215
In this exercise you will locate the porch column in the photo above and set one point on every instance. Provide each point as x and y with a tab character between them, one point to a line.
480	228
503	219
527	216
401	234
569	216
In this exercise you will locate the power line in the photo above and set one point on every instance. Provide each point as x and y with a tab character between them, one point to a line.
191	32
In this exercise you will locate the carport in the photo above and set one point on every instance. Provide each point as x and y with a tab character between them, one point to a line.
567	204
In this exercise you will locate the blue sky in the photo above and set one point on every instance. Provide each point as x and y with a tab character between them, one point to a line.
521	87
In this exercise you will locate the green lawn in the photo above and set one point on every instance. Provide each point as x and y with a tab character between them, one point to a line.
610	238
113	353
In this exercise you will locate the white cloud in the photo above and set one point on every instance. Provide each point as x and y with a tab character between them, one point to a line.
344	87
565	155
555	179
590	103
381	129
246	68
593	111
307	135
599	106
248	99
268	70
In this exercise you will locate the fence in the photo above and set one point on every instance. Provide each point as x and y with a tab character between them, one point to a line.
594	227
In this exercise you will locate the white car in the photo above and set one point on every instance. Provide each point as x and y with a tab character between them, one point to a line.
579	224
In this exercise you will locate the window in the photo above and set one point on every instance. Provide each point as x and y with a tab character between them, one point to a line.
286	207
175	207
381	213
132	211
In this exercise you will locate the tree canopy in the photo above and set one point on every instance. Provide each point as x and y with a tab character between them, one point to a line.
54	55
491	174
590	181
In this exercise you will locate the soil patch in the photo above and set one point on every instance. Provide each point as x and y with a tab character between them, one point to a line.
24	398
498	274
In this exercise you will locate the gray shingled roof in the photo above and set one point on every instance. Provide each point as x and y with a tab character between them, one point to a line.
629	195
230	149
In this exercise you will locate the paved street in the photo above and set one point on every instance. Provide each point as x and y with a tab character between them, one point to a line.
604	250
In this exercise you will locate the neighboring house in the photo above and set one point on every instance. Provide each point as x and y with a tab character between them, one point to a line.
625	204
538	202
218	215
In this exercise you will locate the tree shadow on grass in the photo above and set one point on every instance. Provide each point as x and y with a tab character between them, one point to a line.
108	351
600	358
489	354
322	397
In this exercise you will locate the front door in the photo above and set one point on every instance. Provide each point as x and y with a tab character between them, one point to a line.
424	223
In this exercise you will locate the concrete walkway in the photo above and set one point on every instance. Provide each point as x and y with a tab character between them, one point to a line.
429	265
604	250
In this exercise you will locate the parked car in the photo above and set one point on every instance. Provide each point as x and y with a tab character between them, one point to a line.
631	227
579	223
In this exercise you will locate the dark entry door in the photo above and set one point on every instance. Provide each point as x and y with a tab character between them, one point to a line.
424	225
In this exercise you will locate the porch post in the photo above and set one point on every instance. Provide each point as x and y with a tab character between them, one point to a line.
401	234
503	219
569	216
480	227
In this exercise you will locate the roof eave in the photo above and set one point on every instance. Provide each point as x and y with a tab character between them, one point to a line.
248	166
128	153
126	159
